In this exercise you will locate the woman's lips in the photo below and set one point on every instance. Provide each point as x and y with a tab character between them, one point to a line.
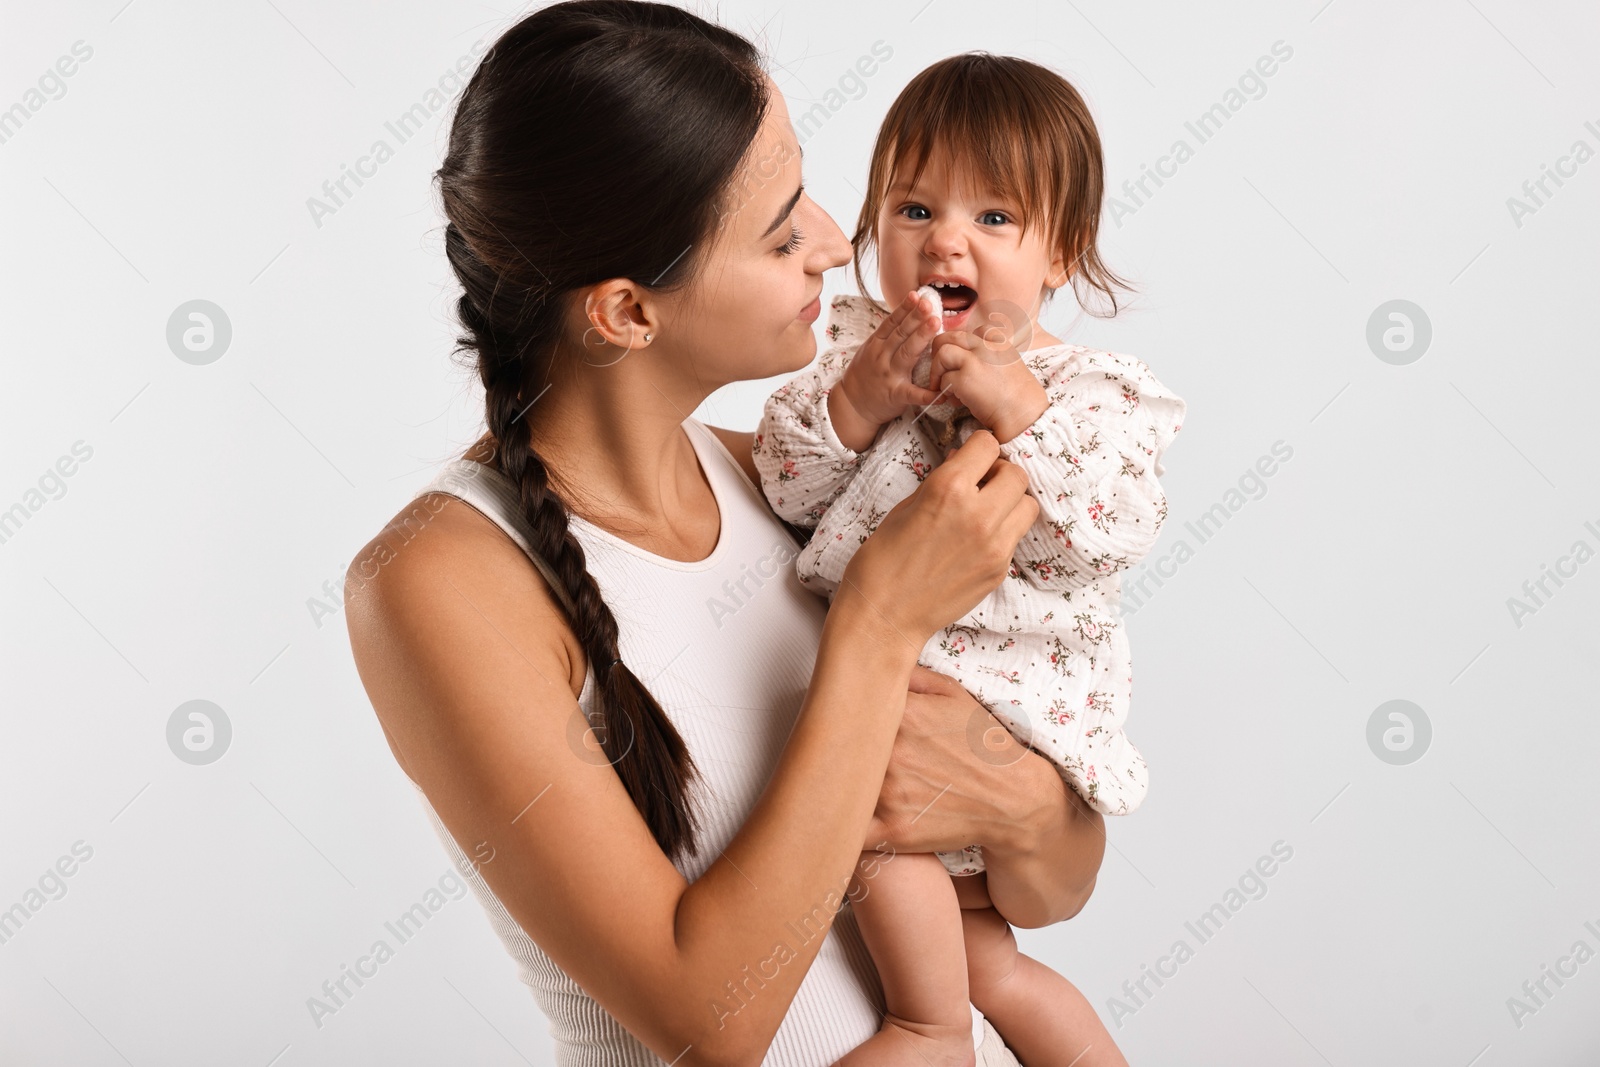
810	312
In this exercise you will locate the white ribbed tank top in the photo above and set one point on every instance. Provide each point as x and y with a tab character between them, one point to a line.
727	646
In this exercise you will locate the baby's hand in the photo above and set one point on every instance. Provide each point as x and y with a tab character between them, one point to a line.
990	378
876	387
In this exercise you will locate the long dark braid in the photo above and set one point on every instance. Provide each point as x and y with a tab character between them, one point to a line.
595	141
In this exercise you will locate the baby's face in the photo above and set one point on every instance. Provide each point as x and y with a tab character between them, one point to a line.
971	240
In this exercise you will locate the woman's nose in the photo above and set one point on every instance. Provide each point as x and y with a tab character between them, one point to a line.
832	248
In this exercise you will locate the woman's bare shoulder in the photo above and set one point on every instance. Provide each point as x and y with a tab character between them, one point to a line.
437	558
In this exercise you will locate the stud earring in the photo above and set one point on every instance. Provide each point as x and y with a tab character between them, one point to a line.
647	337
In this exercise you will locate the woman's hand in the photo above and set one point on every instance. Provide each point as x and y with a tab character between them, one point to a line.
957	777
951	777
877	387
939	551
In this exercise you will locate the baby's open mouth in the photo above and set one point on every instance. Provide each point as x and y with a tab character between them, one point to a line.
955	297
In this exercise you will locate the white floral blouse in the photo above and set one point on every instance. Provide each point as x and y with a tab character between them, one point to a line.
1045	652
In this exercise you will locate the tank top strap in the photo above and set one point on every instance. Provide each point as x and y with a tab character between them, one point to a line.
488	492
728	477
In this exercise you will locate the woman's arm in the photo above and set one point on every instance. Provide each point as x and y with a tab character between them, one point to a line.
469	665
1047	870
472	670
957	776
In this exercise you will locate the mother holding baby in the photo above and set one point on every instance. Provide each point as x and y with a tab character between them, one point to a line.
656	757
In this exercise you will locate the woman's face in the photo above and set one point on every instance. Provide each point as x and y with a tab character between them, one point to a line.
748	314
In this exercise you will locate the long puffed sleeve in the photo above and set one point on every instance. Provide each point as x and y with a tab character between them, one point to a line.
1093	459
803	464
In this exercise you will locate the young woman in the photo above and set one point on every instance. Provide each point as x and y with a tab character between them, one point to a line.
655	756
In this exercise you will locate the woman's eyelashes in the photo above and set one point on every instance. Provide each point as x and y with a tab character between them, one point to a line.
789	247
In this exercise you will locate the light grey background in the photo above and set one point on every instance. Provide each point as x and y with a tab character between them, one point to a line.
179	562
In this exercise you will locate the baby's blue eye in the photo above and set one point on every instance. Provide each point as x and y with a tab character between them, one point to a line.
994	218
909	212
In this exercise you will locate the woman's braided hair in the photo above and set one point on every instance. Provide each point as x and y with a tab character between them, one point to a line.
596	140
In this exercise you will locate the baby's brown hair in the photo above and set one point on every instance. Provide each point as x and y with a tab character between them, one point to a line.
1006	124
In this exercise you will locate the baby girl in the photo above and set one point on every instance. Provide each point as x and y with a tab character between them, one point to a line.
983	198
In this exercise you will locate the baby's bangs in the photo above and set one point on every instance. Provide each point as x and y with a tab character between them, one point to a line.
1008	126
987	129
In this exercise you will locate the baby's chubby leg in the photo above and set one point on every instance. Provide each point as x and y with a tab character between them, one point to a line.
910	921
1043	1018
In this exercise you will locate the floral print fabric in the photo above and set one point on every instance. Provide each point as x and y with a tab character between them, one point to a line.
1045	652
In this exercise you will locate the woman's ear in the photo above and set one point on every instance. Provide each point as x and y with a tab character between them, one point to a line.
618	312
